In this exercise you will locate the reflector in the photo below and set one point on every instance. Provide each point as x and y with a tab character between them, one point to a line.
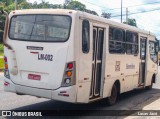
5	59
6	66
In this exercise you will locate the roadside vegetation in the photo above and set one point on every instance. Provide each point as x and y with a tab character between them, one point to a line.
1	57
1	49
1	63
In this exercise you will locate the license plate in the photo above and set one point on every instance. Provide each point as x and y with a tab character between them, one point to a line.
34	77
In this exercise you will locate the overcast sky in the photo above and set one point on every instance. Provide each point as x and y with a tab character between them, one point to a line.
148	20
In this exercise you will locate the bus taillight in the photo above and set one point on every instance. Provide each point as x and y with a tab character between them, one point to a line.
70	65
6	70
69	75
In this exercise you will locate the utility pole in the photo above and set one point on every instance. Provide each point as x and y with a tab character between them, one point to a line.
121	11
126	15
66	2
15	4
6	2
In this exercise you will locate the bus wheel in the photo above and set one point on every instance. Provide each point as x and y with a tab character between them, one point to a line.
114	94
150	86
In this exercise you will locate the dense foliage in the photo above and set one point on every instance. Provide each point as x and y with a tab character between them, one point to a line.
8	5
131	22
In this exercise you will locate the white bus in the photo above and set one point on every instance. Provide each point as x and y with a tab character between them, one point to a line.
76	57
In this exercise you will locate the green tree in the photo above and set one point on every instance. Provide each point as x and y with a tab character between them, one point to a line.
75	5
20	1
91	12
131	22
94	13
6	2
25	5
2	20
106	15
44	4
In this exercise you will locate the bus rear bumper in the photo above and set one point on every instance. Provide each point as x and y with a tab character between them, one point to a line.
9	86
66	94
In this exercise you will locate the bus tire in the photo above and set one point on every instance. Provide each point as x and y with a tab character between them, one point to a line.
150	86
114	94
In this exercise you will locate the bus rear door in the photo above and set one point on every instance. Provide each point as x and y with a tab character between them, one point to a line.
143	52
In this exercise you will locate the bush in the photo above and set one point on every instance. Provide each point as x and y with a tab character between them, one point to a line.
1	63
1	49
2	23
1	36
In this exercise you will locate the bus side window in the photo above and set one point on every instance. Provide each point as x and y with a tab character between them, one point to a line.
116	40
85	36
152	51
131	43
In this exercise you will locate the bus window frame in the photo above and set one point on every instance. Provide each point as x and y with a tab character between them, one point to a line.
88	42
122	42
131	43
69	33
155	51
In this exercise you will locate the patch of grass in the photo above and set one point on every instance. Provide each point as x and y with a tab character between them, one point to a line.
1	58
1	49
1	63
1	54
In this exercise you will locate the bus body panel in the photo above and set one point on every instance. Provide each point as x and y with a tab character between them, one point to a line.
51	94
33	91
51	72
123	68
84	67
48	62
130	76
108	83
152	67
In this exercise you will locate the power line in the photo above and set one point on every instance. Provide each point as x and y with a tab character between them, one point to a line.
122	7
141	21
151	28
137	12
136	5
125	7
93	4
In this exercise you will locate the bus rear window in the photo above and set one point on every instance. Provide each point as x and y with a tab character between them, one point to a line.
49	28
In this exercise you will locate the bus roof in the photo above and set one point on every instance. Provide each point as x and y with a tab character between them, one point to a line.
83	14
117	24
